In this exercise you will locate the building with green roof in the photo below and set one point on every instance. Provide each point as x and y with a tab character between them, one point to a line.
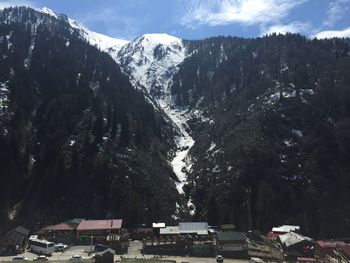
232	244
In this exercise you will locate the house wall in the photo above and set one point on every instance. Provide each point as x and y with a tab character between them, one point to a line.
84	236
65	237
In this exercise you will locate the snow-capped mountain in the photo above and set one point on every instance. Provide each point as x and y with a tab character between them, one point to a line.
103	42
151	60
56	90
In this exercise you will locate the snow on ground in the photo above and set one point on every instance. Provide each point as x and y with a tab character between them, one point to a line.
152	60
298	133
191	207
184	142
31	48
290	92
12	213
212	146
4	93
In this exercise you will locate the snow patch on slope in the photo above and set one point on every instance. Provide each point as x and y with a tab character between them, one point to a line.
151	61
47	11
4	96
184	141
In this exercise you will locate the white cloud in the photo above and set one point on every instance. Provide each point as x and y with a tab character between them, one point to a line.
335	12
295	27
223	12
333	33
8	3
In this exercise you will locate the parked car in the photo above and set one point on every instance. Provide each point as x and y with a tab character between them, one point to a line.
41	258
59	247
19	257
219	259
256	260
76	257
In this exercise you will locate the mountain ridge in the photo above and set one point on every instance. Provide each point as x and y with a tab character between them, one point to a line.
103	42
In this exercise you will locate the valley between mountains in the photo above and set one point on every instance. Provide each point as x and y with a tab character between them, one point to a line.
165	129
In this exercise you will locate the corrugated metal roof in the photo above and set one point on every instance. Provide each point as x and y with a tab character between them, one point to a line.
59	227
330	244
109	224
200	228
15	236
273	234
228	227
232	236
22	230
107	251
346	250
170	230
285	228
158	225
291	238
75	221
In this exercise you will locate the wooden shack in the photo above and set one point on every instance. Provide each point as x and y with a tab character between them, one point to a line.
14	241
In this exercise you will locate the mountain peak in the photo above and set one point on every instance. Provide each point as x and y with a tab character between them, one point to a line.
151	60
158	38
47	11
103	42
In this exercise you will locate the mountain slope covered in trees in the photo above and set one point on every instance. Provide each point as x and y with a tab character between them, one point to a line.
76	139
271	121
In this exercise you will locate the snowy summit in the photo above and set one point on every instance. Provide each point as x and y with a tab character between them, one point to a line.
103	42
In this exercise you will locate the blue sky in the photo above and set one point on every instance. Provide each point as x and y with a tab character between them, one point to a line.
197	19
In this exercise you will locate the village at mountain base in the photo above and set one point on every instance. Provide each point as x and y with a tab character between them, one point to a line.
103	239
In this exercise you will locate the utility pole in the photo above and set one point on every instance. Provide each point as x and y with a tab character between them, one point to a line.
91	239
249	191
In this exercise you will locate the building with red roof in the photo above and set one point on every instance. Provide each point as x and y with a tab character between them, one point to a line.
326	249
111	225
59	227
345	250
106	231
60	233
